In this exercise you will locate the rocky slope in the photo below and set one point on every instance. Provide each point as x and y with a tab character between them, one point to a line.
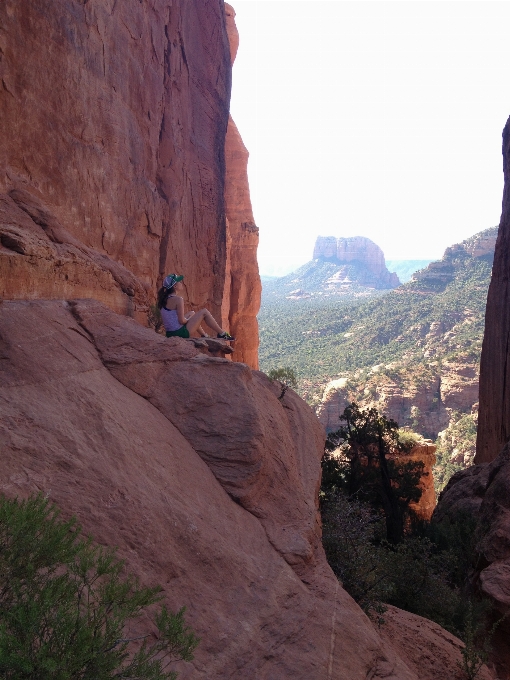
113	168
206	482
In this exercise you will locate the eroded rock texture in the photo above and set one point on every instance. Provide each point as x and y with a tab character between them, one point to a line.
202	477
242	282
494	415
113	118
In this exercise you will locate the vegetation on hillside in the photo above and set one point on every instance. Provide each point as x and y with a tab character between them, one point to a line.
67	606
455	448
324	339
426	571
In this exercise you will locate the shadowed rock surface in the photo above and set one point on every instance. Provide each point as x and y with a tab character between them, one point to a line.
112	166
494	415
483	491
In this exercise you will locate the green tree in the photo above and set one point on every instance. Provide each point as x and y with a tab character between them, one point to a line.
285	376
65	605
372	466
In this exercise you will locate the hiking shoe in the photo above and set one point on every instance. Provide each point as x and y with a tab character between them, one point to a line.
225	336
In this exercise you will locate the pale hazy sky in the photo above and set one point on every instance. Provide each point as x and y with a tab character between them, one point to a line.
372	118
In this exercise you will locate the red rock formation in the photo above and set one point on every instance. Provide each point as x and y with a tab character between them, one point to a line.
426	405
242	282
424	453
122	147
201	476
429	650
482	491
356	249
494	413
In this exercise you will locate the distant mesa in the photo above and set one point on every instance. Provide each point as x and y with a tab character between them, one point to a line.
341	267
361	260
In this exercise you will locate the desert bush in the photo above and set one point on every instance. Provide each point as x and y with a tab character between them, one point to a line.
66	605
350	531
285	376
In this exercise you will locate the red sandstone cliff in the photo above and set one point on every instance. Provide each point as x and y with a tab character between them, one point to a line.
494	414
242	282
206	482
113	118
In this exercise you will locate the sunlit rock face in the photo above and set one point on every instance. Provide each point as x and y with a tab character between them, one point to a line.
242	282
357	250
113	164
494	416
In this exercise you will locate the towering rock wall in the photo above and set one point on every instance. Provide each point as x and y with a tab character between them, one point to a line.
494	413
113	119
242	281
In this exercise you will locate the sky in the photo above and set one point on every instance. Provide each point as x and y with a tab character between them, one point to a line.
371	118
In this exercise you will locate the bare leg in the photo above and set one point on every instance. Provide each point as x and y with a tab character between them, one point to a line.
203	315
199	329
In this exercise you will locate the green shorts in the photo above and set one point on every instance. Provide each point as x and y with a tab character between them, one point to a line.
181	332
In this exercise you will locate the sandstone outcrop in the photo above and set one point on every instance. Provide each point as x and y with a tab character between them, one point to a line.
202	477
429	650
112	166
357	250
482	491
438	275
242	281
425	404
494	415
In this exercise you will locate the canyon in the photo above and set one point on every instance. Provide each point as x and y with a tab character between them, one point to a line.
118	166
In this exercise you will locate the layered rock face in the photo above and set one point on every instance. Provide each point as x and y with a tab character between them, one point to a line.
112	166
494	417
359	250
242	282
205	481
426	405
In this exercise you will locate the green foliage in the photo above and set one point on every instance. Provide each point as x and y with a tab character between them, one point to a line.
285	376
425	572
372	466
65	605
323	337
456	448
407	439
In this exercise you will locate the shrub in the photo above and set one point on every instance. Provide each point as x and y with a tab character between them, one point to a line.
285	376
350	529
65	605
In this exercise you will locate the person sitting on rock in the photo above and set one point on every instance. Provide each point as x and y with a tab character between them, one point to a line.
178	324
